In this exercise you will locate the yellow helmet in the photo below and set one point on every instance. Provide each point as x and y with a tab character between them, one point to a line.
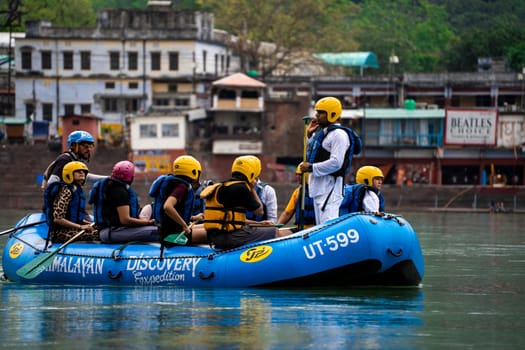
249	166
332	106
70	168
257	163
366	174
187	166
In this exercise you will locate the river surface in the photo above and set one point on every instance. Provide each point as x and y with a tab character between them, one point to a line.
472	297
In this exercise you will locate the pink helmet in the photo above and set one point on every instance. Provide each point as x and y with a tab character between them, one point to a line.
123	171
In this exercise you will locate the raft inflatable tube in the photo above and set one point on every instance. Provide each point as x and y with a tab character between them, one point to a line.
353	250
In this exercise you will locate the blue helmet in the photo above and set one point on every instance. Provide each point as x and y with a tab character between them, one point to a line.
79	136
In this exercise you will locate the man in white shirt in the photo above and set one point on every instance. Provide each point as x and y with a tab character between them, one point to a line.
329	154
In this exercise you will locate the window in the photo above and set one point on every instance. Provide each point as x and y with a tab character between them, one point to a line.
148	131
114	60
110	105
182	102
155	61
85	108
110	85
133	60
204	54
46	60
172	88
47	111
170	130
68	59
30	110
69	109
85	60
216	64
132	105
26	60
133	85
161	102
174	61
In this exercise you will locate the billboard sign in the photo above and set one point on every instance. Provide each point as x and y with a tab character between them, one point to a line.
471	127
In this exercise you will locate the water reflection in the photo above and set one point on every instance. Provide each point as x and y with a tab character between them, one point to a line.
244	319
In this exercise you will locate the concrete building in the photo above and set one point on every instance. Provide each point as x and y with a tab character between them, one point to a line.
134	62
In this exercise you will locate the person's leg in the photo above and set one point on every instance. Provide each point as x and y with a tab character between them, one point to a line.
198	234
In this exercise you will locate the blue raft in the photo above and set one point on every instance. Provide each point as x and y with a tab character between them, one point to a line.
355	249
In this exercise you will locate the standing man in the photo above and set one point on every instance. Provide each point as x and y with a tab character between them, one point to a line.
80	144
328	158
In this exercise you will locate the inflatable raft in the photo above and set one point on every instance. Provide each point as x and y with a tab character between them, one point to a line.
355	249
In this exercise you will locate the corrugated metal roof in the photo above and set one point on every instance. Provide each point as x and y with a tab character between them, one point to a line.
350	59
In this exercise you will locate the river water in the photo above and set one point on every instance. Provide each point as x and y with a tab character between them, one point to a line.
472	296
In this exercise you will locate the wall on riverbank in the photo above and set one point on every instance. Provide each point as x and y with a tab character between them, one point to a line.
21	165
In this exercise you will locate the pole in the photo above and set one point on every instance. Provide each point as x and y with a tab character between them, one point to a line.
306	120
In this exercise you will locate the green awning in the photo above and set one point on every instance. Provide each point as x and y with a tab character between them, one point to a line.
350	59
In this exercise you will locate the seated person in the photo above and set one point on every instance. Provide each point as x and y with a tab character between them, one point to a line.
116	208
294	205
65	204
365	195
225	223
174	197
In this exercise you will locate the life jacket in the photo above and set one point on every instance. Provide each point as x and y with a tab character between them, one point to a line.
76	208
353	198
249	215
97	197
315	152
51	167
216	215
160	190
309	212
198	202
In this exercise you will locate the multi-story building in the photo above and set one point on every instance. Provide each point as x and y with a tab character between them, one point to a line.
134	62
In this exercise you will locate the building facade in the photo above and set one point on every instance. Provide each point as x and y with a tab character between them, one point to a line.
134	62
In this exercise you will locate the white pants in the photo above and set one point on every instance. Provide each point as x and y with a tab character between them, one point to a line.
331	209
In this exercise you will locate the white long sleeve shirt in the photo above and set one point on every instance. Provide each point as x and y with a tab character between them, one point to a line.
321	182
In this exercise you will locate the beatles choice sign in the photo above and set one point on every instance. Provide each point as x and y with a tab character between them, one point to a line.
471	127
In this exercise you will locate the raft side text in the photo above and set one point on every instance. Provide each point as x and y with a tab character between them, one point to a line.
331	243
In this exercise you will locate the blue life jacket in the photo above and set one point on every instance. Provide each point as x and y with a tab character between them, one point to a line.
160	190
249	215
353	198
76	208
309	212
97	197
315	152
198	202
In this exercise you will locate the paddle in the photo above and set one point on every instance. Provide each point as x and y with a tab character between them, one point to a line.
266	225
21	227
38	265
306	120
178	238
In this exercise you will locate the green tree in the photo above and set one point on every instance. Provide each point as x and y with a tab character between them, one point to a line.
418	33
270	34
71	13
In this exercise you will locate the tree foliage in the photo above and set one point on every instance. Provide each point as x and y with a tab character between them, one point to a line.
417	32
71	13
271	32
426	35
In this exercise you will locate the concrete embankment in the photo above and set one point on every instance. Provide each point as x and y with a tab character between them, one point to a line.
22	165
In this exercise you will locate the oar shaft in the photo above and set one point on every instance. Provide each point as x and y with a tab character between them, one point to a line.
21	227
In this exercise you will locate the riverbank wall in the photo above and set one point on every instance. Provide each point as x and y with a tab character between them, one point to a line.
21	167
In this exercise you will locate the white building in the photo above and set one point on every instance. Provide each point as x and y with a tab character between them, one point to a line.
134	62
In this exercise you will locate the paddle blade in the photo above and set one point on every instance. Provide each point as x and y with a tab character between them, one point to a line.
177	238
39	264
36	266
